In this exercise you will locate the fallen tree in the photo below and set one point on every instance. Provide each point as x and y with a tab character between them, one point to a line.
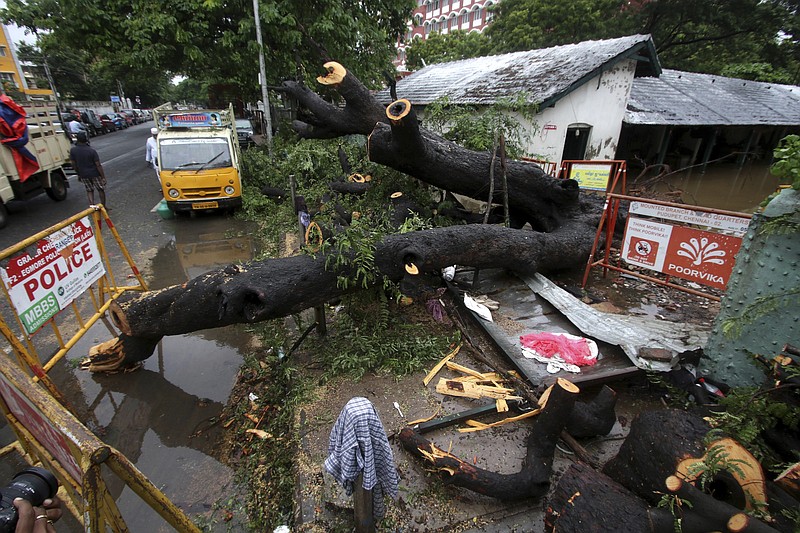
667	471
562	224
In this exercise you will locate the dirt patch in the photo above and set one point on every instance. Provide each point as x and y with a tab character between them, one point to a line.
426	503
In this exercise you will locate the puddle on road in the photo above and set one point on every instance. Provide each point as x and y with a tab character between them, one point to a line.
163	417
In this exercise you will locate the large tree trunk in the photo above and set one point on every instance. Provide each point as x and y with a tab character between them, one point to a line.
564	227
275	288
397	141
657	442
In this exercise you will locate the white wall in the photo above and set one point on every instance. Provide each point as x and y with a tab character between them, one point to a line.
599	103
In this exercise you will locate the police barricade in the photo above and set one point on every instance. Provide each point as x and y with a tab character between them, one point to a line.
64	268
54	438
694	243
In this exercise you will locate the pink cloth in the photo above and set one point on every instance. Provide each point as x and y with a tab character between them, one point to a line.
575	351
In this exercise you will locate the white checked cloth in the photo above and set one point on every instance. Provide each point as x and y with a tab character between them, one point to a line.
358	443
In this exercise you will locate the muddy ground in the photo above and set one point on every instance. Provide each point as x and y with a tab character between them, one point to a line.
425	502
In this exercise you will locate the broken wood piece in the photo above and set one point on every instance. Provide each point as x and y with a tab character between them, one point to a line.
488	378
471	390
502	405
260	433
111	346
465	370
440	364
532	481
474	425
110	356
421	420
789	480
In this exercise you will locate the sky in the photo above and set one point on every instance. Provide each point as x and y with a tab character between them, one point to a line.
16	33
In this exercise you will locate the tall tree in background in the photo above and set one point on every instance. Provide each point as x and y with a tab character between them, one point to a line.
439	48
214	40
756	39
752	39
530	24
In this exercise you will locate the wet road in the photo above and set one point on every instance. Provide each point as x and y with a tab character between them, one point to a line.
159	417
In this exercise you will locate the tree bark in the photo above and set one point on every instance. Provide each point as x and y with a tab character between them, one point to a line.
397	141
587	501
564	226
657	442
594	417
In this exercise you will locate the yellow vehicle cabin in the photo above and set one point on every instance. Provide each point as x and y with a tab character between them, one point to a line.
198	159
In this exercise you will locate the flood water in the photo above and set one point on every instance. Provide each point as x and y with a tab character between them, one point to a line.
722	186
165	417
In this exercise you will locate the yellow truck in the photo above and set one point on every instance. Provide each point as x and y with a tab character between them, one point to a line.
198	158
48	143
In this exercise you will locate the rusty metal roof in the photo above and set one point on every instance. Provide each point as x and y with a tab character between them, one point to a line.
690	99
546	75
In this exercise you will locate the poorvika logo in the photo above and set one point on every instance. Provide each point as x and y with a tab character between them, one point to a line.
702	251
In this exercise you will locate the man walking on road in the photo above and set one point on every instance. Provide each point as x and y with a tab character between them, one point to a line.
86	162
151	152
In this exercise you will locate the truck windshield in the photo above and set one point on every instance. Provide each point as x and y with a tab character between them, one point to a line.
194	153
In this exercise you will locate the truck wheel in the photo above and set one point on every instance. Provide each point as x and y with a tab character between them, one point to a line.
58	187
3	215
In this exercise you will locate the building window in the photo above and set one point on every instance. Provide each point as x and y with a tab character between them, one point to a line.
8	77
453	23
476	15
2	51
435	5
464	18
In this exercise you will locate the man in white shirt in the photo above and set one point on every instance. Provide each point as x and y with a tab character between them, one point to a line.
75	127
151	152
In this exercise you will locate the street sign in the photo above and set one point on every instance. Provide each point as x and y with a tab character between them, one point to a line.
115	99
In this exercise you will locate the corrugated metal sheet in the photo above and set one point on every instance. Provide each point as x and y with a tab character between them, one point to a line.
546	74
690	99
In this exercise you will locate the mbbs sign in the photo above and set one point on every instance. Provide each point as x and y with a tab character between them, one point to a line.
699	255
66	263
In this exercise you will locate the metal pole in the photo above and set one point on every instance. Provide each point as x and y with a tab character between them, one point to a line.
52	87
263	75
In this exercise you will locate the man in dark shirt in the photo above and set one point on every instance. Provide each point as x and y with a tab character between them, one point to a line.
86	163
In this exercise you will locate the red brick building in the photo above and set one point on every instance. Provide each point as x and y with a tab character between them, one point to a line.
443	16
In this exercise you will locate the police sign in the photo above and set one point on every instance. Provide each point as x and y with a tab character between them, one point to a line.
66	263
